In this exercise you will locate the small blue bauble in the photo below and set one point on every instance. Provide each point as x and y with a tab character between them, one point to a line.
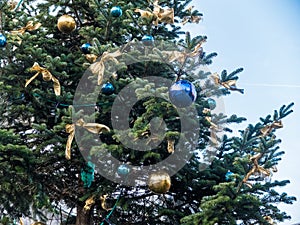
212	103
107	89
116	11
182	93
123	170
3	41
85	48
148	39
229	176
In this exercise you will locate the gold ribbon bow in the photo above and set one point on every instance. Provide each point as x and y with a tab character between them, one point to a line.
229	84
89	203
190	18
270	220
29	27
145	14
94	128
163	15
12	5
269	128
171	143
91	57
47	76
181	56
98	68
159	14
103	202
256	169
35	223
209	119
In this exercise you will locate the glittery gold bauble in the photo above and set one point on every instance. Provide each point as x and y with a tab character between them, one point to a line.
159	182
66	24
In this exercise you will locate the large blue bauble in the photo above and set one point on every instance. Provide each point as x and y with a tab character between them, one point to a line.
148	40
123	170
212	103
2	40
182	93
107	89
116	11
85	48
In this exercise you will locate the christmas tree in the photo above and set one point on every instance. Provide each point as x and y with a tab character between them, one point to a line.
111	116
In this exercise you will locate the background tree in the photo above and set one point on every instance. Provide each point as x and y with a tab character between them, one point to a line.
35	175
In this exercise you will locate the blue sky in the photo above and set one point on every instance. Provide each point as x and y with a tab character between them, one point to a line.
263	37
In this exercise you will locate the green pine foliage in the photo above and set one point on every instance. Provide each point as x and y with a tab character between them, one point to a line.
35	176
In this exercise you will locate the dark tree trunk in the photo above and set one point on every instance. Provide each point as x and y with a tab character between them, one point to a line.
83	217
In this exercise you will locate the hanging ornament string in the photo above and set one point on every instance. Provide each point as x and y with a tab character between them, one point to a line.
19	4
106	219
57	104
113	209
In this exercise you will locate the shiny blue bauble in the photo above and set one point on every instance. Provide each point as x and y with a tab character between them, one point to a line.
107	89
123	170
148	40
116	11
85	48
182	93
212	103
229	176
3	41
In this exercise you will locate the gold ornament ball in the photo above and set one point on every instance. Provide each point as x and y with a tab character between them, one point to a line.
159	182
66	24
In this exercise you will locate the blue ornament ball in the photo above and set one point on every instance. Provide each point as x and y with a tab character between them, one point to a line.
85	48
211	103
107	89
182	93
148	39
229	176
3	41
123	170
116	11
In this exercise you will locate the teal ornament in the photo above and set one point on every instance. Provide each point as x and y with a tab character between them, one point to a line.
123	170
107	88
229	176
85	48
87	174
3	41
116	11
182	93
212	103
148	40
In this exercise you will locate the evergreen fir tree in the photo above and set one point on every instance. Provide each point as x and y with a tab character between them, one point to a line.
38	119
